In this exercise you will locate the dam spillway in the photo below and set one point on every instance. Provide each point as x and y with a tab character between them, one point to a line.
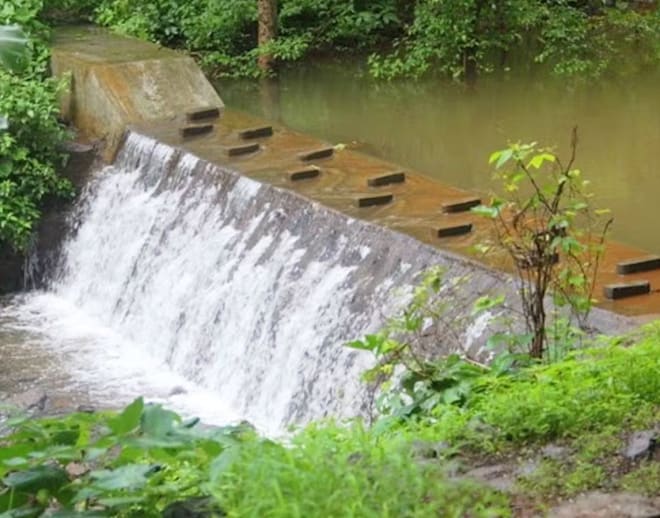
198	271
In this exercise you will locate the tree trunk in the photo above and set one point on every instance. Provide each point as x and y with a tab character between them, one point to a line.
267	31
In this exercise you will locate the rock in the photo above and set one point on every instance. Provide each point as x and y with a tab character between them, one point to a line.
554	452
430	449
615	505
178	390
497	476
200	507
85	409
641	445
527	468
34	401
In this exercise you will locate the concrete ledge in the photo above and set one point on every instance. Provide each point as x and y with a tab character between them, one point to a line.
116	81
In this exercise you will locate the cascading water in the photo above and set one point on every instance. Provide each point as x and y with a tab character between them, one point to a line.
230	299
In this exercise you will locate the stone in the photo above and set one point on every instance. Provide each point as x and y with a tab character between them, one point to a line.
200	114
258	132
371	201
613	505
430	449
644	264
85	409
641	445
387	179
304	173
316	154
242	149
178	390
194	507
461	205
554	452
497	476
527	468
196	130
625	290
32	400
459	229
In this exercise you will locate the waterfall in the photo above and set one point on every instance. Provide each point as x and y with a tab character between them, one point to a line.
234	289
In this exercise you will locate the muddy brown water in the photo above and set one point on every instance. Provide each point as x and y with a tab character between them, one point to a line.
448	132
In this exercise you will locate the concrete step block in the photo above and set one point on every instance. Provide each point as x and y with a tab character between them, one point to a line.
461	205
387	179
373	200
195	130
305	173
459	229
316	154
256	132
643	264
200	114
628	289
241	149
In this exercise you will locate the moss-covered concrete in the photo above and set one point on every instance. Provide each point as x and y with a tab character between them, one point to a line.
115	81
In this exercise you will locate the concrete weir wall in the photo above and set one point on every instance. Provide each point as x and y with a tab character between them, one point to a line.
119	83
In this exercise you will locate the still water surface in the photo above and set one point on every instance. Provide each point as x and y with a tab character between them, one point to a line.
448	132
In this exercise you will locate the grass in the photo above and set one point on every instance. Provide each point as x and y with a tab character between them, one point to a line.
143	460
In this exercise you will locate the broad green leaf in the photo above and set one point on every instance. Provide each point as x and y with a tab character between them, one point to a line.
158	422
39	477
129	419
131	476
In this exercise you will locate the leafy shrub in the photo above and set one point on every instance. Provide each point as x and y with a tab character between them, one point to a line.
30	134
29	157
147	461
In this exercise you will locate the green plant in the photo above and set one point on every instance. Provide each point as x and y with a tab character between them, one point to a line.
29	132
29	158
339	471
135	463
147	461
417	367
551	233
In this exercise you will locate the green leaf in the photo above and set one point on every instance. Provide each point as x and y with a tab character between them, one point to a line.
131	476
39	477
129	419
158	422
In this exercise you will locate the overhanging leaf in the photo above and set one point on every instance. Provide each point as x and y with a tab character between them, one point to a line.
39	477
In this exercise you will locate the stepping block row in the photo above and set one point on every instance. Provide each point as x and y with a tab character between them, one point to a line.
256	132
204	113
387	179
645	264
461	205
625	290
316	154
195	130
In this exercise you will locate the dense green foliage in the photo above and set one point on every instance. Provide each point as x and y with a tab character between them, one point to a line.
147	460
29	139
409	39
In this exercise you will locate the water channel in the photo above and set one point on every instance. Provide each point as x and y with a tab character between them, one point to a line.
448	132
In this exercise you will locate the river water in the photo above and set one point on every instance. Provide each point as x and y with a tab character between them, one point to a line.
448	132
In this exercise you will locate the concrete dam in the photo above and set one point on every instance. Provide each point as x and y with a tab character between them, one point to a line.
219	263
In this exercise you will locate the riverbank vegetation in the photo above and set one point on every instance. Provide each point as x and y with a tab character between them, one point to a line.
456	38
555	430
30	134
